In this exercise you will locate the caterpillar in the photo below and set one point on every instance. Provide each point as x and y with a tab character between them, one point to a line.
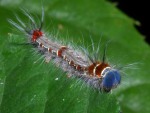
79	64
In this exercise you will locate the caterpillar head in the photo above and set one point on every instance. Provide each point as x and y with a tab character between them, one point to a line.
111	78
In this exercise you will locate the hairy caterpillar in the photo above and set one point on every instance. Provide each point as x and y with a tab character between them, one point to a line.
98	74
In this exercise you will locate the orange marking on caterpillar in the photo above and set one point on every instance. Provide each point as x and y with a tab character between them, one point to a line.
90	69
99	68
36	34
49	50
40	44
95	69
71	63
78	67
59	52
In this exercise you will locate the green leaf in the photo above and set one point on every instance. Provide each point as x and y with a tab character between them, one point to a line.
27	85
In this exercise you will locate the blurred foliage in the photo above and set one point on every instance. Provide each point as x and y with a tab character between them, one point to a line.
27	85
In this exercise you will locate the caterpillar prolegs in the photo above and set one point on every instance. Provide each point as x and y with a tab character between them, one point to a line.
79	64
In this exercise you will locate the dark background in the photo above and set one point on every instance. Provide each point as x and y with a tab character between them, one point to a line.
140	11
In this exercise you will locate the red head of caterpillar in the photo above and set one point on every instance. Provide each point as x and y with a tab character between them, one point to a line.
97	74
